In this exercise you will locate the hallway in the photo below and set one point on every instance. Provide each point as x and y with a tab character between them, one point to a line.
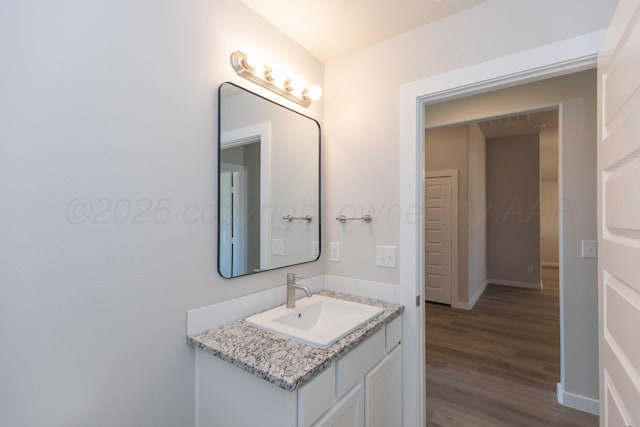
498	364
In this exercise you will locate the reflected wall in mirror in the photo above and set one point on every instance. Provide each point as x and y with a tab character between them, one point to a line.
268	184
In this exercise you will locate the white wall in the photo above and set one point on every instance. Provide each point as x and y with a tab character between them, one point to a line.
549	223
549	196
114	102
549	152
513	206
578	222
477	224
362	108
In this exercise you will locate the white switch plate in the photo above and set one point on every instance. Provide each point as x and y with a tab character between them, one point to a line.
386	256
334	251
277	247
315	249
589	249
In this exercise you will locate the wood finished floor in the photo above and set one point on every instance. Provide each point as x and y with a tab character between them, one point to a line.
498	364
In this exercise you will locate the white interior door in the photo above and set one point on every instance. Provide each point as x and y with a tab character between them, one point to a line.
232	223
619	219
438	236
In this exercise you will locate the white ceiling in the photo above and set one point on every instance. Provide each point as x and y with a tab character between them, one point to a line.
330	28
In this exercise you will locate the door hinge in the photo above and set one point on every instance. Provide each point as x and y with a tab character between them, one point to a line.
417	300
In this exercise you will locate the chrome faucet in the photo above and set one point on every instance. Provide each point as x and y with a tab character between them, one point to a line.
291	290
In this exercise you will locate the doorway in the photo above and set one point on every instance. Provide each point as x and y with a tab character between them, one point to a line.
512	333
517	267
508	225
556	59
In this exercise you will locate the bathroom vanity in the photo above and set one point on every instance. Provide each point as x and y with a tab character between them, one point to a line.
248	376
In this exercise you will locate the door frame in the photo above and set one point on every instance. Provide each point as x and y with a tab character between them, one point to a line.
453	174
552	60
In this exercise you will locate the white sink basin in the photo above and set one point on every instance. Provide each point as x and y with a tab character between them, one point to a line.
318	321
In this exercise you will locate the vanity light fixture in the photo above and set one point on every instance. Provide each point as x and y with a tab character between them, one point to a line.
295	89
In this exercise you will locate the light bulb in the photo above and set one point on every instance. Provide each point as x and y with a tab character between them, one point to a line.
255	58
297	83
314	92
278	73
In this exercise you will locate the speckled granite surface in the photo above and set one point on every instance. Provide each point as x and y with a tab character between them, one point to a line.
281	361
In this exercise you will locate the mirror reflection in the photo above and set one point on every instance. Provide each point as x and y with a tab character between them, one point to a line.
268	184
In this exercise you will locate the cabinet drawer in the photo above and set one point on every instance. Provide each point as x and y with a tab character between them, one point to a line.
394	333
316	397
352	367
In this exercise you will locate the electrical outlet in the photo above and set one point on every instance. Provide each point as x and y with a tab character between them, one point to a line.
334	251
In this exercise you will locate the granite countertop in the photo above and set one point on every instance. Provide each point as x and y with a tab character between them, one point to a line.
282	361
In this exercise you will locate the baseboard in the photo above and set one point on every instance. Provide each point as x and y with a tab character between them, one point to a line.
516	284
550	264
575	401
469	305
461	305
478	294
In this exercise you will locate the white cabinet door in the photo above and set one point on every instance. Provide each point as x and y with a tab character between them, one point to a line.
383	392
619	219
348	412
316	397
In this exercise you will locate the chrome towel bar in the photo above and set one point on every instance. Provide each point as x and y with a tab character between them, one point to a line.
302	218
366	218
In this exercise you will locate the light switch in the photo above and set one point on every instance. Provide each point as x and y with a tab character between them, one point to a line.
315	249
277	247
589	249
334	251
386	256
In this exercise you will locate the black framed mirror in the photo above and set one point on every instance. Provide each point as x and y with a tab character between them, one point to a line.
268	184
